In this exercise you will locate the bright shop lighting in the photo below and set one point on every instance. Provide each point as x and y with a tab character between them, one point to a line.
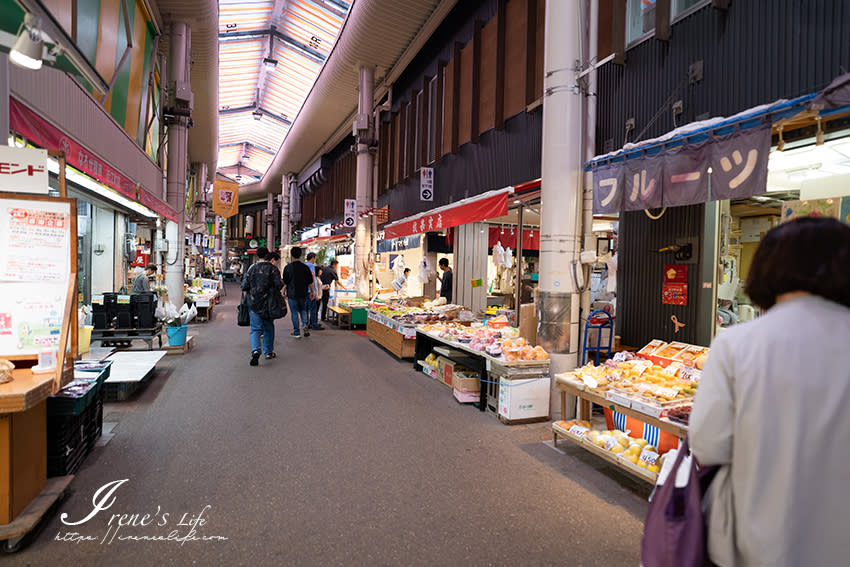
29	46
100	189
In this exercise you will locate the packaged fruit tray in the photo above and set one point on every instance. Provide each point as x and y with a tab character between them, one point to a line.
572	429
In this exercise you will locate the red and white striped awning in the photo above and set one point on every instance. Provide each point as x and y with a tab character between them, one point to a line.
481	207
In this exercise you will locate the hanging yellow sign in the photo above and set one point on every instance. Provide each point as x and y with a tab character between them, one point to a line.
225	198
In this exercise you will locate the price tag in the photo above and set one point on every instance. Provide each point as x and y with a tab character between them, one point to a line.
649	457
690	374
673	367
667	392
611	443
642	366
578	430
590	381
620	357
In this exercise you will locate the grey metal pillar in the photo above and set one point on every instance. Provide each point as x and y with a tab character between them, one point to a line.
362	236
178	134
284	213
270	221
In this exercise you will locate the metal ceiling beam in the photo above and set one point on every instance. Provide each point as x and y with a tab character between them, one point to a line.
228	37
251	108
252	144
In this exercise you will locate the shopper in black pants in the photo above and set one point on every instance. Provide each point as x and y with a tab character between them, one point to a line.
327	277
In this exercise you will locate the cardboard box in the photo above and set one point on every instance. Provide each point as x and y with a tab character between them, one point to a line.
466	382
445	370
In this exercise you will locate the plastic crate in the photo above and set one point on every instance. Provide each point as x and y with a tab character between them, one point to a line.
118	392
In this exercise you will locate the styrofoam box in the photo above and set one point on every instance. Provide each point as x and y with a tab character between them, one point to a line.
524	399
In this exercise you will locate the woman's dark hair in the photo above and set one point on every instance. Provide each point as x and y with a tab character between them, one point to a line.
272	256
406	271
807	254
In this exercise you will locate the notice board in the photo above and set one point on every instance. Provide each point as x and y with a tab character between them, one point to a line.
37	273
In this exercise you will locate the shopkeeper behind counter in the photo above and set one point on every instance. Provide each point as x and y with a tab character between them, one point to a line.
445	280
142	281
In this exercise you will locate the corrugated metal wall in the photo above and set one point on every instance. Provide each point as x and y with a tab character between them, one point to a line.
754	53
641	316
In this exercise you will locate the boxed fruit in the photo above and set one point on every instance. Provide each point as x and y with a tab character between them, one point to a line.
466	382
652	346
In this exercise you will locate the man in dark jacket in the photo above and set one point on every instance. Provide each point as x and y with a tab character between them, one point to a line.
261	280
298	280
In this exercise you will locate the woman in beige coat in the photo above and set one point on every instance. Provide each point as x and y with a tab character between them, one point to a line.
773	408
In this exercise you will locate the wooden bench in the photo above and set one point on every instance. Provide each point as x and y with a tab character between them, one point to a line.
340	316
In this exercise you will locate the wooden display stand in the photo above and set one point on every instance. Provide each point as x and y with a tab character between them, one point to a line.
586	401
390	339
24	491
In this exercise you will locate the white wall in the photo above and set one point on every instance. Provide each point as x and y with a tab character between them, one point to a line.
835	186
103	265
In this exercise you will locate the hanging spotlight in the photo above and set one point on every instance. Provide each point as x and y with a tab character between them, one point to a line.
28	47
257	114
270	63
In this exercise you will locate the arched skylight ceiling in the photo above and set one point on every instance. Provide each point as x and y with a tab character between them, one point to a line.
270	54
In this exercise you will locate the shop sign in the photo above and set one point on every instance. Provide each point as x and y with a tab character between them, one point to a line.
36	129
488	205
23	170
225	198
350	218
735	158
400	244
426	184
157	205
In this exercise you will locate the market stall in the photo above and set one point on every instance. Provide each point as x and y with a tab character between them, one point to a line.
647	398
514	376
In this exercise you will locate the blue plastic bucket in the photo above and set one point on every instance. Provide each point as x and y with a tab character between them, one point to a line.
177	335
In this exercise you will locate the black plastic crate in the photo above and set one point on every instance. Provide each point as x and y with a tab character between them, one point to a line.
143	308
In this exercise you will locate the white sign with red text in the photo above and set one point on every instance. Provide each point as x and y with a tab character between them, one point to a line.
23	170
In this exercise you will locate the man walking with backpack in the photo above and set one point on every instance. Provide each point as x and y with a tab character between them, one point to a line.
261	281
298	280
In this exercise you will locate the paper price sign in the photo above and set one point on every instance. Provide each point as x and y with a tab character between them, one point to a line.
649	457
690	374
578	430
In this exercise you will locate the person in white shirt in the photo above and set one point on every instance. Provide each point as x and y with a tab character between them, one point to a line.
772	407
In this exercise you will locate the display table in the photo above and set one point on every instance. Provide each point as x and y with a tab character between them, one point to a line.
496	372
586	401
23	440
396	337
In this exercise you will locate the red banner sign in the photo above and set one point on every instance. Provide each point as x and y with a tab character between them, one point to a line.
488	205
155	204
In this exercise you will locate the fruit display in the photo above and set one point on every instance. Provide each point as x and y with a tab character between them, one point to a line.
503	342
633	450
681	415
641	379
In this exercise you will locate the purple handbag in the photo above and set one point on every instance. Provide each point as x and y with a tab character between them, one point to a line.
674	531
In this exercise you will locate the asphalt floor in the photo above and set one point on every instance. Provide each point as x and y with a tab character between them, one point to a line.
335	453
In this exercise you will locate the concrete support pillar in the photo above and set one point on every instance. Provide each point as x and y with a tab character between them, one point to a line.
270	221
561	190
4	99
362	234
178	134
285	230
225	261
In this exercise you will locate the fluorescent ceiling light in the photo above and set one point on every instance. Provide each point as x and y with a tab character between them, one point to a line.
100	189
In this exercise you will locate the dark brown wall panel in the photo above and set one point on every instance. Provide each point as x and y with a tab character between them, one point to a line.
448	103
487	102
465	109
515	57
396	167
606	23
540	38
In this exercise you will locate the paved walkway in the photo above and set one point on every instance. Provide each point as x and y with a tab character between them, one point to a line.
333	454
